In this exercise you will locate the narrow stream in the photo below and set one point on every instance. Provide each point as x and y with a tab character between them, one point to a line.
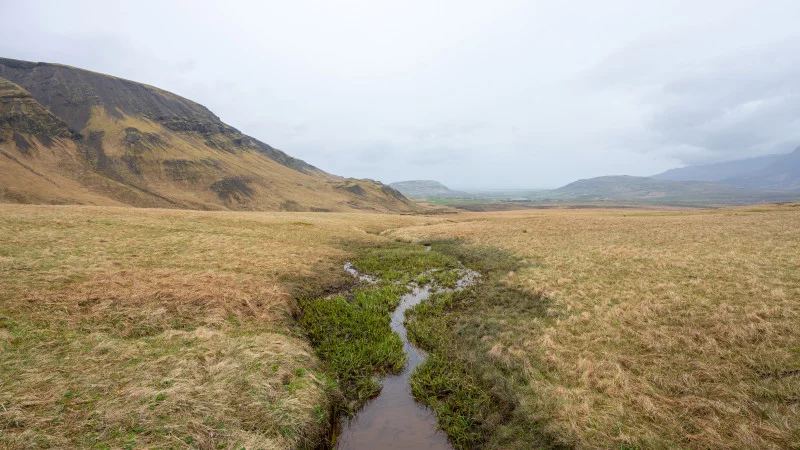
394	420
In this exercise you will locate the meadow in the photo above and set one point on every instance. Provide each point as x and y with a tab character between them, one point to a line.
138	328
651	329
134	328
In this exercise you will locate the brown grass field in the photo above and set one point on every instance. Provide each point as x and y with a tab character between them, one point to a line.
138	328
666	329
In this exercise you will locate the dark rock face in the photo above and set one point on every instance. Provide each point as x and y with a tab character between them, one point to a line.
138	142
233	189
21	113
187	170
71	93
95	154
22	145
353	188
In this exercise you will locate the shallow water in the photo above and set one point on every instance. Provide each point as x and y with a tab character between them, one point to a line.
394	420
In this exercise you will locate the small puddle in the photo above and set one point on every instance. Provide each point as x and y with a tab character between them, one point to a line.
393	419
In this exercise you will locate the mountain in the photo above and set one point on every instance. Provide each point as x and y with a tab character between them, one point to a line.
775	172
628	188
426	189
69	135
718	171
783	173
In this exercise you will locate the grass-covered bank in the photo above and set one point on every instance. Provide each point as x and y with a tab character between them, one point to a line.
351	331
473	393
671	330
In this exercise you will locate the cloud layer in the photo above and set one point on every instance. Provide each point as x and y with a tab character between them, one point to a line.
520	94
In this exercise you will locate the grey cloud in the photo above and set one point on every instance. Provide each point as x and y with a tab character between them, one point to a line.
511	94
741	104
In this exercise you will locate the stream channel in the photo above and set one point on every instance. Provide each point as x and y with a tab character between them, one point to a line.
393	419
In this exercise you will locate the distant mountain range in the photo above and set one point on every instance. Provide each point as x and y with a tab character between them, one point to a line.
771	178
69	135
772	172
642	189
427	189
621	188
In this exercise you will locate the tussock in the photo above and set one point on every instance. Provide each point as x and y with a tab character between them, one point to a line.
666	329
132	328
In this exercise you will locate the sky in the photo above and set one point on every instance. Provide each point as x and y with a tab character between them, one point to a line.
476	95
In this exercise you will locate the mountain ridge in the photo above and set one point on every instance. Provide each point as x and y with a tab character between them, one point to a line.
769	172
716	172
632	188
98	136
783	174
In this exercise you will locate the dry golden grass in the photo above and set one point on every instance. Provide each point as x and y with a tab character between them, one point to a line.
667	329
132	328
125	327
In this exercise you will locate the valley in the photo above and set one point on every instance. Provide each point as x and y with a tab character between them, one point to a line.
168	281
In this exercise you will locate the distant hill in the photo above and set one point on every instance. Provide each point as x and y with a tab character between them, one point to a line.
426	189
69	135
773	172
628	188
783	173
718	171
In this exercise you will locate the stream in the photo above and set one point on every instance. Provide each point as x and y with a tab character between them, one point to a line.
393	419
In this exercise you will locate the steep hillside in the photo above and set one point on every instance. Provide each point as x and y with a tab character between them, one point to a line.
783	173
426	189
628	188
718	171
73	136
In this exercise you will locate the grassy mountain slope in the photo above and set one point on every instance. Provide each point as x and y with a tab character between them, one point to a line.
426	189
628	188
72	136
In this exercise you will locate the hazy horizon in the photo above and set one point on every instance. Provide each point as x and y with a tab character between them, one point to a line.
514	96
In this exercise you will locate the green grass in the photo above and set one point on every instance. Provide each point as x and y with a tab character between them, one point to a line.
352	333
402	263
472	393
354	338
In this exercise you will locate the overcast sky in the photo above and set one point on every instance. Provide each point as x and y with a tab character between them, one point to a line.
490	94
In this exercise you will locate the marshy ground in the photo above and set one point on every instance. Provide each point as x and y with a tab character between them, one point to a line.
131	328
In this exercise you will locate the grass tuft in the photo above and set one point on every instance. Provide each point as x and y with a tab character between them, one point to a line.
352	333
471	391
